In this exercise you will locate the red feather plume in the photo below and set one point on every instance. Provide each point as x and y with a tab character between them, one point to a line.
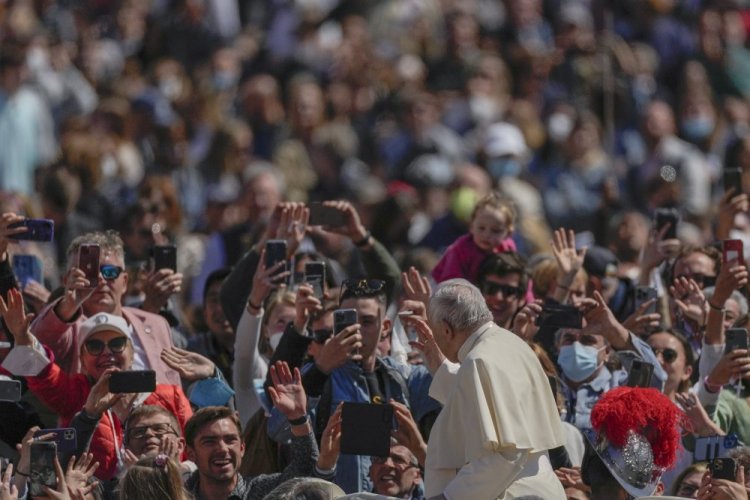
647	412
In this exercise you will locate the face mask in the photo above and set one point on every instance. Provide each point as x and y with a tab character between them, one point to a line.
697	127
578	361
504	167
274	340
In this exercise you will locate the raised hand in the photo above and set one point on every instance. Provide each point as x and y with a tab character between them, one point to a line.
330	441
352	228
407	433
339	349
524	324
79	472
416	286
426	344
641	323
15	317
6	219
100	399
702	425
158	287
287	393
730	205
190	365
657	250
61	490
8	490
77	290
265	280
732	365
600	321
730	278
569	260
689	299
293	226
306	304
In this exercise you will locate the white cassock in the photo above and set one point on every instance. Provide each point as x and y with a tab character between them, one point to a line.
498	420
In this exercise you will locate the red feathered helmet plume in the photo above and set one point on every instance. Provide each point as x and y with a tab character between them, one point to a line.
637	436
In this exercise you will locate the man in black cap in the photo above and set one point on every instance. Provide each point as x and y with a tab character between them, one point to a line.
601	265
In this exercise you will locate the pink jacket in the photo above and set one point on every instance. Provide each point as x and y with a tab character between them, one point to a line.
464	258
151	329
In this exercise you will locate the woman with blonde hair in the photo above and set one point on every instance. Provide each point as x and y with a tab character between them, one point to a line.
153	478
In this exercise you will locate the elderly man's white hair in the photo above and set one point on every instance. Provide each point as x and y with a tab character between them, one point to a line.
460	304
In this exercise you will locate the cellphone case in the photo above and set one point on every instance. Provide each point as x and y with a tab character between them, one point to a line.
366	429
65	438
133	381
164	257
10	390
27	268
38	230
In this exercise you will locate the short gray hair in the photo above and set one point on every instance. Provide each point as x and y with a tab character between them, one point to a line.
736	296
460	304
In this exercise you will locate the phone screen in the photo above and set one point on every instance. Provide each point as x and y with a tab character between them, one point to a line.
164	257
42	472
276	252
315	275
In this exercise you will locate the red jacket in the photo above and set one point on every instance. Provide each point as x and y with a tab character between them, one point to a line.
66	394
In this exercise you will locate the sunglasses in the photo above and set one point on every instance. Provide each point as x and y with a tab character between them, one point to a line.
361	288
668	354
320	336
397	461
490	288
701	279
110	272
96	347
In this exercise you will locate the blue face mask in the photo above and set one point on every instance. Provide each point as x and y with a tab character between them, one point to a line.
697	128
504	167
578	362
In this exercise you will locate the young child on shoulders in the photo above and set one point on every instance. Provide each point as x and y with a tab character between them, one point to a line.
490	230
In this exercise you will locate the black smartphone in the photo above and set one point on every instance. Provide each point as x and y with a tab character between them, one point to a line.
664	216
735	338
27	268
65	439
560	316
132	381
343	318
10	390
36	230
732	178
644	294
366	429
164	257
315	275
276	252
321	215
723	468
640	374
42	471
89	255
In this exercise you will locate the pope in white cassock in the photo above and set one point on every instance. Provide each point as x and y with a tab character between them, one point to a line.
499	416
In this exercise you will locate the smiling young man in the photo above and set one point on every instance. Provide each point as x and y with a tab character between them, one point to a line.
503	281
58	325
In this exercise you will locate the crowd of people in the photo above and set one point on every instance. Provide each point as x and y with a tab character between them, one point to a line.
483	182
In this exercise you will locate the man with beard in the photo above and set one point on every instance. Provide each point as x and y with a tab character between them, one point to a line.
503	281
217	344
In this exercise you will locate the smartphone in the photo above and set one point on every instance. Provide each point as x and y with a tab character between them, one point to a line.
321	215
644	294
164	257
366	429
276	252
733	179
343	318
640	374
664	216
36	230
560	316
723	468
88	261
735	338
42	472
315	275
27	268
132	381
10	390
65	439
732	252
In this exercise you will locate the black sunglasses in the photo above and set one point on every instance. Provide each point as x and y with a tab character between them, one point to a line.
320	336
110	272
490	288
96	347
701	279
361	288
668	354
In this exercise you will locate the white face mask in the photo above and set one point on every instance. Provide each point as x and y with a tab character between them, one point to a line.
274	340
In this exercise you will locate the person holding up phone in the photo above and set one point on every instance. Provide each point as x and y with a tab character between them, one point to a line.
58	325
105	347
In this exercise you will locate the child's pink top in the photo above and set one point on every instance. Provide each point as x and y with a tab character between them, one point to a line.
463	258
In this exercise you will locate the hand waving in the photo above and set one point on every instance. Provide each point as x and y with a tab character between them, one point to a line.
569	260
416	286
15	317
190	365
287	393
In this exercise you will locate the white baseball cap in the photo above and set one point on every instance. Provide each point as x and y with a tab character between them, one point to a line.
503	139
102	322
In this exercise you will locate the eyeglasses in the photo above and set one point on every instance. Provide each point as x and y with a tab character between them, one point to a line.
361	288
701	279
320	336
158	430
95	347
397	461
668	354
491	288
110	272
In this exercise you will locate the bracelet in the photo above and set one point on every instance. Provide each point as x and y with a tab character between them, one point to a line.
250	303
712	388
298	421
720	309
364	241
20	473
